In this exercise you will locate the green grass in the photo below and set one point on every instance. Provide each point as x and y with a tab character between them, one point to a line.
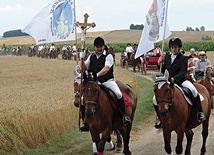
80	143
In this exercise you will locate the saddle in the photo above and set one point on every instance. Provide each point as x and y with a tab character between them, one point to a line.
188	94
113	98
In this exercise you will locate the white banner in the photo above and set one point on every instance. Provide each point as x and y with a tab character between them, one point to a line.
156	27
54	23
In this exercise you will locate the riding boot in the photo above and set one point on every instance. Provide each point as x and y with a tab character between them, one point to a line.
125	119
200	114
84	125
158	124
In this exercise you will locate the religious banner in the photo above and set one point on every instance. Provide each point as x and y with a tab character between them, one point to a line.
54	23
156	27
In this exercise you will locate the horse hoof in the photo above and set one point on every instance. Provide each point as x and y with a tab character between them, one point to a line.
118	149
95	153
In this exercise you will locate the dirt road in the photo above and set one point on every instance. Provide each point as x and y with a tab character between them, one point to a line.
150	141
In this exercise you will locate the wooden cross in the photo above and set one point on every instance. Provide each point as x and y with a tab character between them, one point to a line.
84	27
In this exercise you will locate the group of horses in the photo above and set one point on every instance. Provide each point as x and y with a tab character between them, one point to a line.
177	113
3	51
44	53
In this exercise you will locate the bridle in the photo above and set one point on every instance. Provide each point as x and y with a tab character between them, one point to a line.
168	100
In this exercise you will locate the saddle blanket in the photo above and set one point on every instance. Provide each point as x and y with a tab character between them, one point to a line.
127	102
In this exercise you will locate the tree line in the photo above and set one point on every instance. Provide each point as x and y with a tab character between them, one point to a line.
141	26
14	33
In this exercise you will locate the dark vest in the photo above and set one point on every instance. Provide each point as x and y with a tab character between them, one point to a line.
97	64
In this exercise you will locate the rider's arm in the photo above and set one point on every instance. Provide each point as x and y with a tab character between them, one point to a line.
108	63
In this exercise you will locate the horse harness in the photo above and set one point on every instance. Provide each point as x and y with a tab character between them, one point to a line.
161	82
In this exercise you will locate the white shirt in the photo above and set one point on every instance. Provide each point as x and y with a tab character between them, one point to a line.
173	58
109	60
129	49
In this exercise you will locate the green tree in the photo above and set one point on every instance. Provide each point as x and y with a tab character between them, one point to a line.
202	28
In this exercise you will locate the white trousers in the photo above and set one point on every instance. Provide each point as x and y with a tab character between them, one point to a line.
186	84
111	84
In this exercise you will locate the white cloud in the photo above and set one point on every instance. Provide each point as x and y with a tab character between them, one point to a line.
7	11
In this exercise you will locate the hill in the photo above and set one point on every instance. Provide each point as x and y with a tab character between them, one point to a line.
116	36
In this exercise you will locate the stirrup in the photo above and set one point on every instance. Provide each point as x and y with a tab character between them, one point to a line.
126	120
201	117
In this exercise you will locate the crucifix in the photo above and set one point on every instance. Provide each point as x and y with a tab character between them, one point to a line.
84	27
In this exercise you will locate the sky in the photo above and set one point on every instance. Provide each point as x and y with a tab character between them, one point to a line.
112	14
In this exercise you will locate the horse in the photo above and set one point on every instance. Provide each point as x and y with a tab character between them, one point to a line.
102	118
176	114
207	81
77	101
135	62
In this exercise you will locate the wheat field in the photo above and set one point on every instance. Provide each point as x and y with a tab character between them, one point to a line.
37	100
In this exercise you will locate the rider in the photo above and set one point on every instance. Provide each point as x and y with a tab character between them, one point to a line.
64	48
201	64
52	48
101	62
129	50
176	64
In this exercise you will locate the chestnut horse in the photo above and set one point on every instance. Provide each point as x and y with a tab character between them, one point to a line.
206	81
176	114
102	118
77	89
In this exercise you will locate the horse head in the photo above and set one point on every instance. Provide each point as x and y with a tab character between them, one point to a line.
164	92
209	72
91	93
77	85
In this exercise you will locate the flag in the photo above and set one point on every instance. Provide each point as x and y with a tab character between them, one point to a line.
156	27
54	23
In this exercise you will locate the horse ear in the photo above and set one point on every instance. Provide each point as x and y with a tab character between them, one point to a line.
153	76
166	75
76	73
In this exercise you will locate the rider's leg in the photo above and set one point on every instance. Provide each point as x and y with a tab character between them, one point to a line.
111	84
200	115
126	120
197	101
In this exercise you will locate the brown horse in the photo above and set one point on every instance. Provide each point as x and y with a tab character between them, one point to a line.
102	118
77	89
135	62
207	81
177	115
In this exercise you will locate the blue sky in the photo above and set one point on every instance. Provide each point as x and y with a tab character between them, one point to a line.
113	14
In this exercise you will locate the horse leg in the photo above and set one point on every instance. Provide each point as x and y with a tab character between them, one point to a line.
101	144
126	137
180	137
189	134
118	142
205	125
95	139
167	138
111	145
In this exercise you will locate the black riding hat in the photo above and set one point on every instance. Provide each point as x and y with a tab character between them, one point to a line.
175	42
99	42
